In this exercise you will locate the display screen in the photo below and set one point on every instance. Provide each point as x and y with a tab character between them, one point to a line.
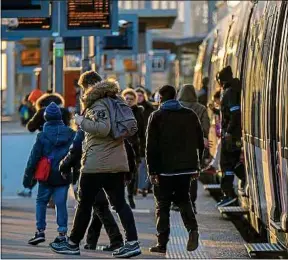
33	23
18	5
88	14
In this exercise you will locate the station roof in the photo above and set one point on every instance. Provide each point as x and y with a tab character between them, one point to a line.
153	18
187	44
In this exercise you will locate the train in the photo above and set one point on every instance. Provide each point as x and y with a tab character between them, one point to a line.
253	40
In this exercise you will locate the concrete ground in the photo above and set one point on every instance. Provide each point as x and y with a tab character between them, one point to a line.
218	237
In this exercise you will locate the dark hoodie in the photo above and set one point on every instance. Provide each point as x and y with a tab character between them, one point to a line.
37	121
231	109
188	98
54	140
174	135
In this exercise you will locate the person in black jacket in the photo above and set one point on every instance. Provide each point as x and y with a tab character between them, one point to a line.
101	212
174	145
231	133
37	121
137	140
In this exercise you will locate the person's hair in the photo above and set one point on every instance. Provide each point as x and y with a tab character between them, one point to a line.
89	78
225	74
129	91
217	95
167	92
143	91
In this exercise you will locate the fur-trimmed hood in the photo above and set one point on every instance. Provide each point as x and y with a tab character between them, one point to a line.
105	88
46	99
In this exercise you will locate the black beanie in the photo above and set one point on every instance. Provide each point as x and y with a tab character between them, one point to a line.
225	74
52	112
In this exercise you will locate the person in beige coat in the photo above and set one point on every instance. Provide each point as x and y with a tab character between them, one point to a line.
104	165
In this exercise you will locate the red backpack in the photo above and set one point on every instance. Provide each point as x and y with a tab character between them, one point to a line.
43	169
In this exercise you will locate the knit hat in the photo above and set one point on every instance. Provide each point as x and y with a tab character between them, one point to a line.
52	112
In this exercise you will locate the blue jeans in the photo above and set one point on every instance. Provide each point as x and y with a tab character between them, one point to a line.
60	199
143	178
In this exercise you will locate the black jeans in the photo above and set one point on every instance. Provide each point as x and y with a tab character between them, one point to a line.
113	185
173	189
103	216
228	161
193	190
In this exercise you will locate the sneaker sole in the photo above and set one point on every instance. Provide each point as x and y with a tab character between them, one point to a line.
65	252
227	203
37	241
129	254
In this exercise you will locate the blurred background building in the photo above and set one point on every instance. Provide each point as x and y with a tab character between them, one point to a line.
169	35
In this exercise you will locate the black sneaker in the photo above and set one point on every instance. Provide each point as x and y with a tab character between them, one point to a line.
65	248
130	249
60	239
193	241
158	249
131	203
112	247
90	247
37	239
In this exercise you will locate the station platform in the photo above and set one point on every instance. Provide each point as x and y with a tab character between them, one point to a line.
218	236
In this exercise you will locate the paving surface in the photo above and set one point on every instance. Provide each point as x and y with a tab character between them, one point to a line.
218	237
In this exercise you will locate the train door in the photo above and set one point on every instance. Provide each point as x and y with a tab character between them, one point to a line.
282	124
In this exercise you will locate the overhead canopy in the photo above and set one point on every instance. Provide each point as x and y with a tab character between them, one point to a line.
187	44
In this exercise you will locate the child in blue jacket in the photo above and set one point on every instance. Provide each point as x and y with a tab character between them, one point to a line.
54	142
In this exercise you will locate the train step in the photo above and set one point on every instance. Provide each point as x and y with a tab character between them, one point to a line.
212	187
233	210
264	249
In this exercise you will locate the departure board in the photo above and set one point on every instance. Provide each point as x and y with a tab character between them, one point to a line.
33	23
88	14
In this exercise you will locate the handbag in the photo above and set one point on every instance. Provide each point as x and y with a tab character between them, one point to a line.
43	169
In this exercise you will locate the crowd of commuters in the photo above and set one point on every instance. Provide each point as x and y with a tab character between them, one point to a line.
121	141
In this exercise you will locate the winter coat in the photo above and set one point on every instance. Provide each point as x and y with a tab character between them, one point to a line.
138	140
231	109
188	98
54	140
174	135
37	121
73	159
101	153
148	109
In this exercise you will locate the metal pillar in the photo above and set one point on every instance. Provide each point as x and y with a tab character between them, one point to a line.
45	64
10	96
211	9
98	53
58	53
119	69
188	25
85	54
148	64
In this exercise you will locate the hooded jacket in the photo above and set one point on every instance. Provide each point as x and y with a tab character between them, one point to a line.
54	141
37	121
188	98
101	153
174	135
231	109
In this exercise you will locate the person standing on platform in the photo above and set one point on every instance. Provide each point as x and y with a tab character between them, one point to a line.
174	146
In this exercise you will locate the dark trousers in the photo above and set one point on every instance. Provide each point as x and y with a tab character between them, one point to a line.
89	187
133	184
172	189
193	190
102	214
228	162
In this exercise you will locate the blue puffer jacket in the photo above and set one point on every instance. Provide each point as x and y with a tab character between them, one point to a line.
54	141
